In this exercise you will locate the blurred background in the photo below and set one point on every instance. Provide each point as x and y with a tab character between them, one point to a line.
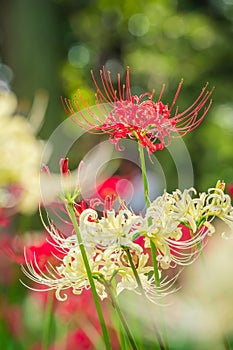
47	49
52	45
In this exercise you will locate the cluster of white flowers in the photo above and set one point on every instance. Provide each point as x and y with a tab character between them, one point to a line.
111	248
164	224
105	263
218	204
168	214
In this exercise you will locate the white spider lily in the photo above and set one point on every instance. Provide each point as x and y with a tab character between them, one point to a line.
214	203
70	272
189	210
162	225
128	280
56	278
109	231
163	219
218	204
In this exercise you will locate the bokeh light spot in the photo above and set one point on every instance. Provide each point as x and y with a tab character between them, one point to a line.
174	27
222	116
78	56
138	24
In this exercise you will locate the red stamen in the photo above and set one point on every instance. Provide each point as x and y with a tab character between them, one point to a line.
128	90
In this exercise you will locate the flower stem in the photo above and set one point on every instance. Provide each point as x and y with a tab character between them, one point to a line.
160	341
90	277
47	322
146	195
123	342
121	316
134	270
226	343
163	343
155	263
144	177
117	323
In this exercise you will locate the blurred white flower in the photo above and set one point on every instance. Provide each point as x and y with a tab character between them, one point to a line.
204	307
200	314
20	156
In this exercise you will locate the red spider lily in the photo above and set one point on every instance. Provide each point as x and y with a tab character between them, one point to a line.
137	117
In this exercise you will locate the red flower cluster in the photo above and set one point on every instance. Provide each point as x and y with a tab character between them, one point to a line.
137	117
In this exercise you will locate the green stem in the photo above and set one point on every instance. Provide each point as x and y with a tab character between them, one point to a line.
160	341
163	343
155	264
144	177
121	316
47	322
121	334
90	277
226	343
117	323
134	270
146	195
122	339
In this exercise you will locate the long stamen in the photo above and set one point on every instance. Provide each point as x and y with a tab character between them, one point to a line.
205	98
109	86
105	85
119	86
176	95
128	90
114	93
161	94
99	92
68	108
